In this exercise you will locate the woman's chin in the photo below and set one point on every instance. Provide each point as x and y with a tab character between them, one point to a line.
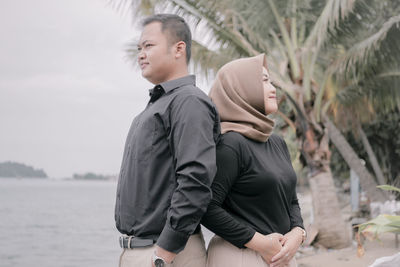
271	110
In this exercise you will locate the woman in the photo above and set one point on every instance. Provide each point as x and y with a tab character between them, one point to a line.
254	211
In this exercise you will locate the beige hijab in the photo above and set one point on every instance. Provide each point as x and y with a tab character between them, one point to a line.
239	96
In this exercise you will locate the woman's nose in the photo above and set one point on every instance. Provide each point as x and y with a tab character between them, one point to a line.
273	88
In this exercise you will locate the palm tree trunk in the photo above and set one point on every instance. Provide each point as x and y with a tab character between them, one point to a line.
371	156
366	180
332	229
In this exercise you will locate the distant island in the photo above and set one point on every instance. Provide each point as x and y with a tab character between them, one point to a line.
18	170
93	176
11	169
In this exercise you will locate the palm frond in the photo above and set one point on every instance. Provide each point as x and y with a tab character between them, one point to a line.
279	45
293	24
208	61
228	29
139	9
389	74
253	39
216	24
379	93
294	64
360	53
333	12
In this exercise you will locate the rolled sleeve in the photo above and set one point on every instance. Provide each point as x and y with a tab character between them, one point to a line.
172	240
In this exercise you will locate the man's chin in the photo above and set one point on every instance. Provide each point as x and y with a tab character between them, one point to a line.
149	78
146	75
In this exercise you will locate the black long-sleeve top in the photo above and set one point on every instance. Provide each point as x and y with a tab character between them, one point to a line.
168	165
254	189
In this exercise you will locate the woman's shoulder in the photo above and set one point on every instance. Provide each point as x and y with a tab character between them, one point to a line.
232	139
237	140
280	143
234	147
277	139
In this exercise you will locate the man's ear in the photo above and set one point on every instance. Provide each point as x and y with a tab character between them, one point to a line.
180	49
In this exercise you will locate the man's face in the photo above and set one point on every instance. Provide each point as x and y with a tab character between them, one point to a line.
156	57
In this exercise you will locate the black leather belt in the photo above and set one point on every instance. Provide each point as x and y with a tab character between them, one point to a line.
134	242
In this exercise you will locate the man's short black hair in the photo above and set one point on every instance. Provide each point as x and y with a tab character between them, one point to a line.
177	28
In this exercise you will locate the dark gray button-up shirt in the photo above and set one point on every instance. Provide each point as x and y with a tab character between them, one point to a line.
168	165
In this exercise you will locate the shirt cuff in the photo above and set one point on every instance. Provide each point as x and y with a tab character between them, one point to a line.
246	238
172	240
298	224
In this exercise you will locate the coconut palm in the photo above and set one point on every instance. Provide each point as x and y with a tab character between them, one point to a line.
328	58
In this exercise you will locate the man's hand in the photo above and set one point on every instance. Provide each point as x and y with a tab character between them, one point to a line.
267	245
291	242
166	255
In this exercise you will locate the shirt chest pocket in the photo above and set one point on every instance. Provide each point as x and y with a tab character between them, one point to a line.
142	138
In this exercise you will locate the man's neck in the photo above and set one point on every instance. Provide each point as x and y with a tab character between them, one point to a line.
177	75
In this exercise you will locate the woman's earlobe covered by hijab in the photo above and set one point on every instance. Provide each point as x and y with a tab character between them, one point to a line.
238	93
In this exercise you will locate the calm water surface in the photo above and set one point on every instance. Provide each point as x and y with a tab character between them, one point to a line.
51	223
48	223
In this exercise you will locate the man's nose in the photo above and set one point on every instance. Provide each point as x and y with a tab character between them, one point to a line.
141	55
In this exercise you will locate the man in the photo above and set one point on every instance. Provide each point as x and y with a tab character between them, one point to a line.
169	158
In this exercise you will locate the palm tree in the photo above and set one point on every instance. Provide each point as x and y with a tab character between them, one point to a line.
325	56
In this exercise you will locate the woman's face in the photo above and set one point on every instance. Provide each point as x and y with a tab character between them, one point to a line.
271	106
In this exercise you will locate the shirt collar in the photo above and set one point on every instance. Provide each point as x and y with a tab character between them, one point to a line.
174	84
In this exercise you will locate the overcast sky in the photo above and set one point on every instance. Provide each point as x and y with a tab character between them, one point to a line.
67	92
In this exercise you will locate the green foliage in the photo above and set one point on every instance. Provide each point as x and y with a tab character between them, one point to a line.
389	188
90	176
380	132
384	223
334	58
15	169
366	65
354	43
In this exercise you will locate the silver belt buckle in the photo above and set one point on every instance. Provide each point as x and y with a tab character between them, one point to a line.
121	241
129	241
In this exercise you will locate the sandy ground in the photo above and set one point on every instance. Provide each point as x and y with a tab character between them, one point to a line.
348	257
344	257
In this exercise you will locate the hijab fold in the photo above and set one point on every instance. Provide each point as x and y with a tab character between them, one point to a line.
238	93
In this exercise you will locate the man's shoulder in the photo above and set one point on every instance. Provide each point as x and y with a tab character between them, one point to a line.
191	90
192	94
